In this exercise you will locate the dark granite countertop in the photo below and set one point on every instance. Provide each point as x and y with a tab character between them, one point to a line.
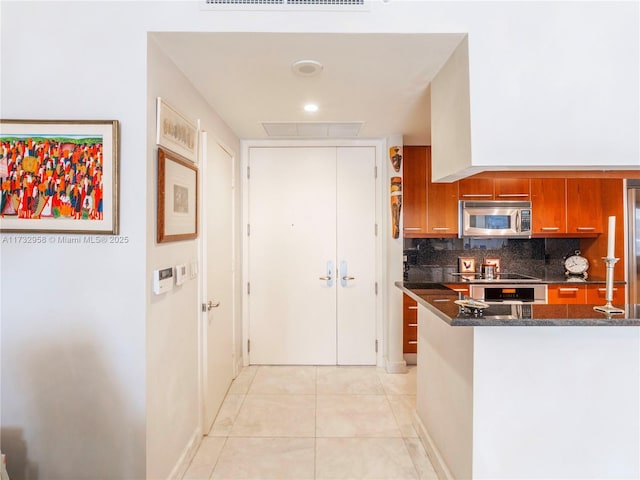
440	300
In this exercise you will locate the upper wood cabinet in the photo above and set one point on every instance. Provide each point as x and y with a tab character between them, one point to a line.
442	206
548	206
428	209
584	206
511	189
476	189
415	166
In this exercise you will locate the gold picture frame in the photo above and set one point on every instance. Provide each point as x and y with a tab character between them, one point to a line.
59	176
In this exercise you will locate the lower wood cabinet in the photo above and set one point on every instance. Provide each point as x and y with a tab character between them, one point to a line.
458	288
596	294
410	320
584	294
567	293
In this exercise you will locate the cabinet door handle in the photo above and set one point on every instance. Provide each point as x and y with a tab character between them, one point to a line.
460	289
604	289
441	300
412	229
412	325
477	195
568	290
549	229
412	342
586	229
505	195
440	228
413	307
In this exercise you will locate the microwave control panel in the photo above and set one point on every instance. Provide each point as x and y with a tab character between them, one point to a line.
525	220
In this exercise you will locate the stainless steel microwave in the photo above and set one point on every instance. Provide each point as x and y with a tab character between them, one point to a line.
495	218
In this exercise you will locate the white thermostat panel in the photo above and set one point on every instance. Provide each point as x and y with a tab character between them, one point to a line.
181	273
162	280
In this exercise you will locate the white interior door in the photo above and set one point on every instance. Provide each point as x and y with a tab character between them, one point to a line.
292	202
312	210
218	278
356	256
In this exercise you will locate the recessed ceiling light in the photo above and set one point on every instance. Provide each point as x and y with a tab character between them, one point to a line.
307	68
311	107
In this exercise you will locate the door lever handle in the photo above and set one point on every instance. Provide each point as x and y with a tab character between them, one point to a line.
343	273
209	305
329	276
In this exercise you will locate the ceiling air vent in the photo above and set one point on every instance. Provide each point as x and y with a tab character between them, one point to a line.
312	129
275	5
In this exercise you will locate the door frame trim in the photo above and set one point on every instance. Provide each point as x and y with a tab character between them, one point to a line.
381	239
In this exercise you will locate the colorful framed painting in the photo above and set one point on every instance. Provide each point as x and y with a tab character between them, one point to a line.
59	176
177	198
175	132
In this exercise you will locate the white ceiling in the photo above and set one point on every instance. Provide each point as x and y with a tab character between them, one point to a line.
381	80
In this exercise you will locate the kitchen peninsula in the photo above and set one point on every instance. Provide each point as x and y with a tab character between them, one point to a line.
527	390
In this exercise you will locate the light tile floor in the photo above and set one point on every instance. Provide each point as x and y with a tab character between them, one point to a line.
315	423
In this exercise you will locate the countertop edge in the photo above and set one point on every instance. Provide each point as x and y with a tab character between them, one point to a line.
469	321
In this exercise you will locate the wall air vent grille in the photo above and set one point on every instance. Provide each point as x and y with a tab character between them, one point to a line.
312	129
274	5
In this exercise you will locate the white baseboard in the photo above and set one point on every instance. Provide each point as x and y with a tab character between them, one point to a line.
237	368
411	358
188	453
439	465
395	367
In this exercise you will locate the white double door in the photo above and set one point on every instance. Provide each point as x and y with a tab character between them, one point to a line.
312	249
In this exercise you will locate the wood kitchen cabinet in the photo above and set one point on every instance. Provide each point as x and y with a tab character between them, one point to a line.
428	209
458	288
442	206
567	293
584	206
512	189
410	327
415	171
596	294
549	211
476	189
584	294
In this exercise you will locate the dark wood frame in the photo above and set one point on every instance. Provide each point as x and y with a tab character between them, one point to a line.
163	157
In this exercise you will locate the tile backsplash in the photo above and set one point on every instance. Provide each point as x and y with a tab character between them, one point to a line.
427	259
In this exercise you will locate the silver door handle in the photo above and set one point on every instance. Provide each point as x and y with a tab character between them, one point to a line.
346	277
329	276
209	305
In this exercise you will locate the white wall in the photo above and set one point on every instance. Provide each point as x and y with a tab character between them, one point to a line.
450	120
556	402
73	331
172	318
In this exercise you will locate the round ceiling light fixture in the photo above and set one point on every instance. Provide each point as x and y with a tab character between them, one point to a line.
307	68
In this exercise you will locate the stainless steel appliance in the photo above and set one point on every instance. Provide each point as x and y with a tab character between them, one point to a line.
505	293
633	241
495	218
